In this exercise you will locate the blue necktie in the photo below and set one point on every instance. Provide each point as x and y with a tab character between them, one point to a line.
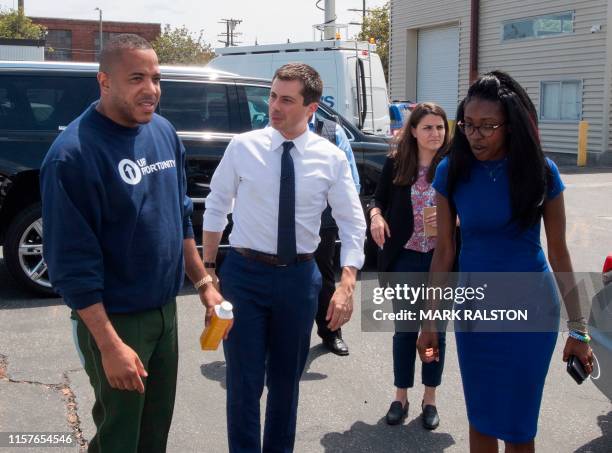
286	247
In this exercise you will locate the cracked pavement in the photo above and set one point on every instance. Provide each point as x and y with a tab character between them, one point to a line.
36	384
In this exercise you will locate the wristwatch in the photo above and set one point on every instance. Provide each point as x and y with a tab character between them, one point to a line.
210	265
203	282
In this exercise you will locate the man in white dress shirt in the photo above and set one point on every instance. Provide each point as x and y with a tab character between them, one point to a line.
276	182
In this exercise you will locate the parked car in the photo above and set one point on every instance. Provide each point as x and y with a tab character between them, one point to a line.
600	329
39	99
399	112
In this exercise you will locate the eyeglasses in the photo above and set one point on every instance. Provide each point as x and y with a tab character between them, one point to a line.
486	130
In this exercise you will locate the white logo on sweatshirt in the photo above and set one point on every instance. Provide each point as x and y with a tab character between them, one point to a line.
130	172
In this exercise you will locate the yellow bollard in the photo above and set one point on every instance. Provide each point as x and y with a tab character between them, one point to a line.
583	135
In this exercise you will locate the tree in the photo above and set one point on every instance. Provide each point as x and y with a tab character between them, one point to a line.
15	25
376	25
179	46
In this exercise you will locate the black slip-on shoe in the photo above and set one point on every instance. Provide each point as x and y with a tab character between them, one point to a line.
431	420
336	345
396	413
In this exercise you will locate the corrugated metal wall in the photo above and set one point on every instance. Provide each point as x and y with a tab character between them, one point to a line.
412	15
22	53
580	55
608	73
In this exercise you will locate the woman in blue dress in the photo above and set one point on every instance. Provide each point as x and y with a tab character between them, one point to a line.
497	181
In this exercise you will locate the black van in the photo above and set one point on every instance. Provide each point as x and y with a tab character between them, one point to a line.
207	108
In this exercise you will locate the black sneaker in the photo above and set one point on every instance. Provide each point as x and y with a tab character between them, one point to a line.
396	413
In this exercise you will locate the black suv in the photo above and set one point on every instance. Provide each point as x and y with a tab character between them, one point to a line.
207	108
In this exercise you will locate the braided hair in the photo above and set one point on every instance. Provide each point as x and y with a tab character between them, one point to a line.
529	174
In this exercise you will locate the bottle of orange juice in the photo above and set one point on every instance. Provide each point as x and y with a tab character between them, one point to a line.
213	334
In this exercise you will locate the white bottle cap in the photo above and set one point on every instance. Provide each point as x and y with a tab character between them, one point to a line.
225	310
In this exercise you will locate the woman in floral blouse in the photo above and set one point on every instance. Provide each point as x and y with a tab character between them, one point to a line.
404	230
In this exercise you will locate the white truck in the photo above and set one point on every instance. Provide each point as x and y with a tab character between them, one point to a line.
353	78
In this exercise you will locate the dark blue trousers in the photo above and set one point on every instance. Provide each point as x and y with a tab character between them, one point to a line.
412	267
274	311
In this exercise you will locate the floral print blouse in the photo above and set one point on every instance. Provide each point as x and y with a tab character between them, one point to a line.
423	194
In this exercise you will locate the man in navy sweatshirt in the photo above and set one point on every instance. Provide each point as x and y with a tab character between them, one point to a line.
117	241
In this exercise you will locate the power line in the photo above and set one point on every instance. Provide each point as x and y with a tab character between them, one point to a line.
230	33
363	11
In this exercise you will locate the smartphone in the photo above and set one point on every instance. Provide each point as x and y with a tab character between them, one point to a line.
576	369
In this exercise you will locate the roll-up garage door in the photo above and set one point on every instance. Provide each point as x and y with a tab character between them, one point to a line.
438	67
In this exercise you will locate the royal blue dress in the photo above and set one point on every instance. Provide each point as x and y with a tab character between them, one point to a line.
503	373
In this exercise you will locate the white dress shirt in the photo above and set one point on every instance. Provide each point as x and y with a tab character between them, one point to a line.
247	183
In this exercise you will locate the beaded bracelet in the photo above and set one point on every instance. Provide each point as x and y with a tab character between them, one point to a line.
579	324
580	336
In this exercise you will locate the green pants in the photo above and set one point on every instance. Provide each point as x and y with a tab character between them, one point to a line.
128	421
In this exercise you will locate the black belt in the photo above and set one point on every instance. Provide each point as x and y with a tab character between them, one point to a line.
272	260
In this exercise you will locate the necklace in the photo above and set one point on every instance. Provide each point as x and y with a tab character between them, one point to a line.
493	170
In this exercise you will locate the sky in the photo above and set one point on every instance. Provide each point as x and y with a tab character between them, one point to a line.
268	21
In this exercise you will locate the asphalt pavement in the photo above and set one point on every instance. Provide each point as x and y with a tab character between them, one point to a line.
343	400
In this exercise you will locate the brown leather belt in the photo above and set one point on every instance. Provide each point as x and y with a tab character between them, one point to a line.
267	258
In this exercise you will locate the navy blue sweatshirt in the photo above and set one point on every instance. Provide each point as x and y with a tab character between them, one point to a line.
115	213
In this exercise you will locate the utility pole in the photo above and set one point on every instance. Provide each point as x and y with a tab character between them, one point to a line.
101	34
230	31
20	13
363	13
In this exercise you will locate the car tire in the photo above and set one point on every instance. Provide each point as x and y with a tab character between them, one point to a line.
26	231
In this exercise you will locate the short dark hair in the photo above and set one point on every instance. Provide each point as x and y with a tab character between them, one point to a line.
116	45
310	78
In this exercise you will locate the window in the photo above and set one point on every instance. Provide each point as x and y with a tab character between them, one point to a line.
331	116
58	46
7	107
195	106
43	103
561	101
257	98
539	26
